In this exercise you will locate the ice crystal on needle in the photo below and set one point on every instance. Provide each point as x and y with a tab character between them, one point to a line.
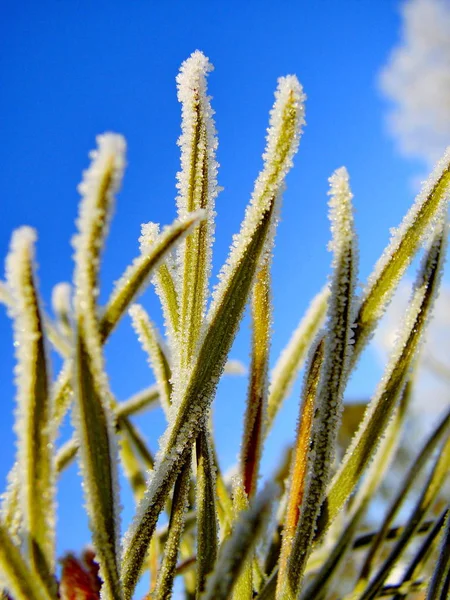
61	298
149	233
198	141
341	216
5	294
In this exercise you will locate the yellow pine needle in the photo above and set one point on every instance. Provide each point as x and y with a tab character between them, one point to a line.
255	415
299	468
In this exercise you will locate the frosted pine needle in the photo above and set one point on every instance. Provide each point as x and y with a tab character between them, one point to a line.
197	187
436	190
303	445
330	390
238	547
243	588
98	188
198	137
292	357
379	410
16	575
341	215
153	346
93	418
283	137
207	529
137	276
167	286
34	428
176	525
256	411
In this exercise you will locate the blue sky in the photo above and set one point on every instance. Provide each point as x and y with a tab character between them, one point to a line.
71	70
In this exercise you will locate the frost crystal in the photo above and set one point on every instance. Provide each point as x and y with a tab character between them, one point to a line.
61	298
198	136
5	294
149	233
341	216
10	513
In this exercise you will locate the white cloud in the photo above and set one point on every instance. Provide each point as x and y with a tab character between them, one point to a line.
416	79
